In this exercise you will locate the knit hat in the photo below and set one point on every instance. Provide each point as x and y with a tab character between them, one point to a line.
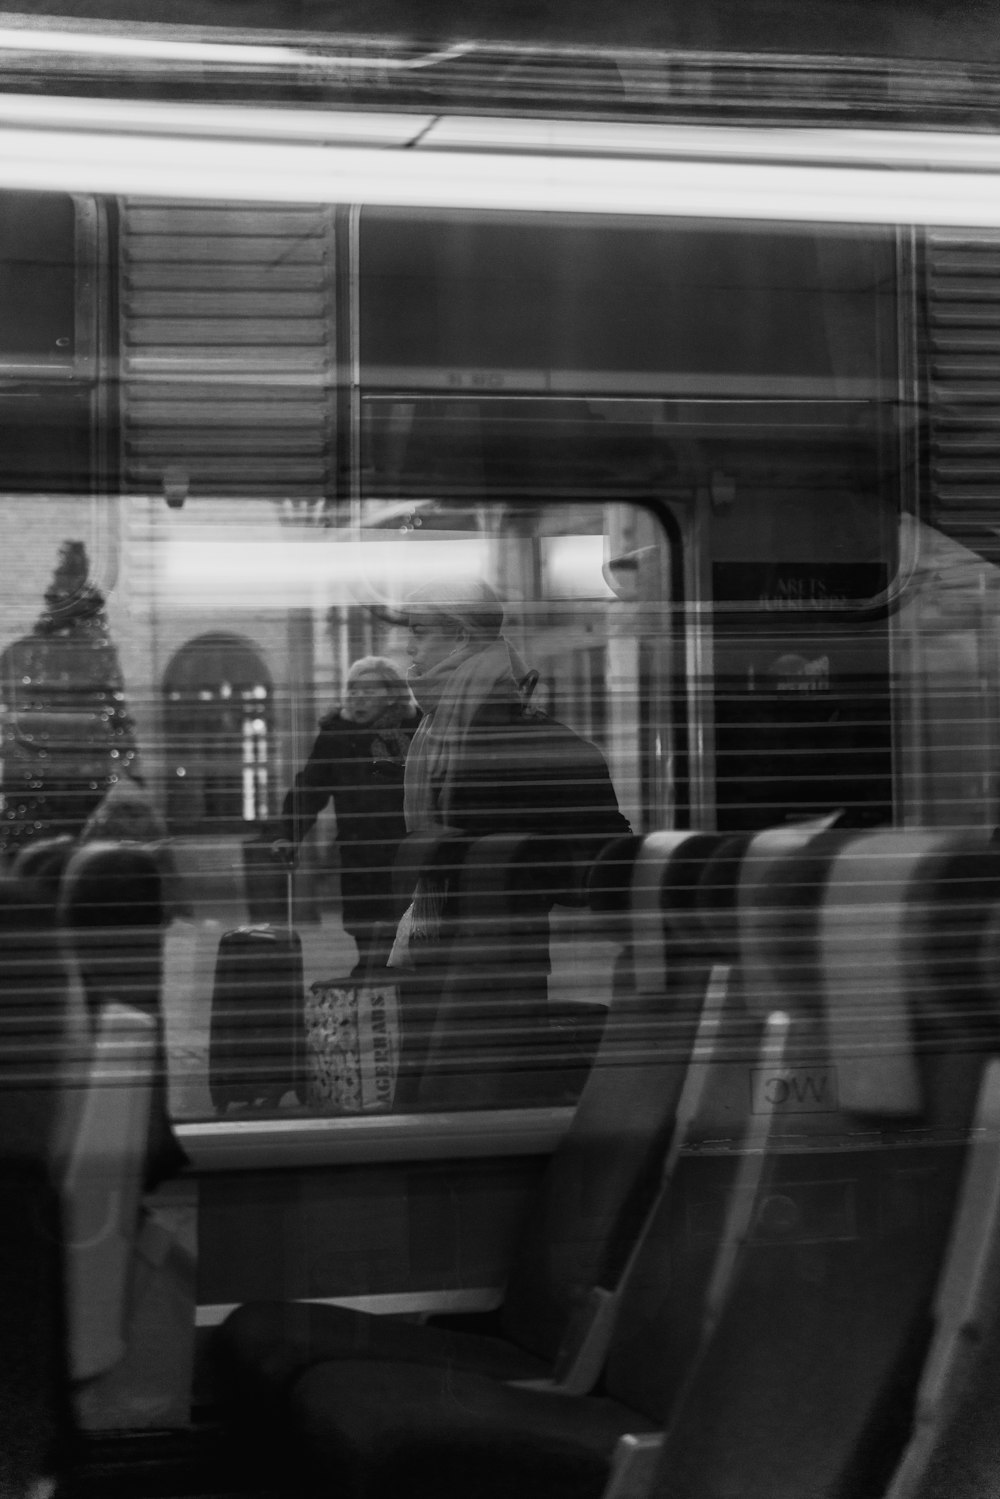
468	602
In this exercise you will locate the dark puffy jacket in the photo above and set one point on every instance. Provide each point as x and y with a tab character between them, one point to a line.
361	771
525	772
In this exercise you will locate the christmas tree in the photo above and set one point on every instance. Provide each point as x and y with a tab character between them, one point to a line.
68	736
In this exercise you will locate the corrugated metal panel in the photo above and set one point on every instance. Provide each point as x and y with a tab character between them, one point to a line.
227	349
961	347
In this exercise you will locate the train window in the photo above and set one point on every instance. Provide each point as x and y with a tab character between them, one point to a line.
503	303
692	461
204	700
285	725
501	610
38	280
50	433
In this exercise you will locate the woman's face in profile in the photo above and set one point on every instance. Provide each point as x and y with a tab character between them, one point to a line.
429	640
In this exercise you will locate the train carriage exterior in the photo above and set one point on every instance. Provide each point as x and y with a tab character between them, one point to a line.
701	379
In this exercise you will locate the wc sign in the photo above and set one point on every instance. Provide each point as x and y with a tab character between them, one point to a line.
793	1090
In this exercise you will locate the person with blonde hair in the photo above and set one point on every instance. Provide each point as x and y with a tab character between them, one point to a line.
357	762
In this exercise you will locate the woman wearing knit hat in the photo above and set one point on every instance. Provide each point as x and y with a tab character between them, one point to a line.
463	673
357	761
473	770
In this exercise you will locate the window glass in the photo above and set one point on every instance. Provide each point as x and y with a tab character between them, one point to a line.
429	553
38	279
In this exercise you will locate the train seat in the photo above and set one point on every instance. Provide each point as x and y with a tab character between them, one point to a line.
811	1353
813	1364
483	1028
44	860
953	1448
491	1043
592	1200
379	1425
101	1186
112	910
112	907
35	1410
480	1028
609	904
715	900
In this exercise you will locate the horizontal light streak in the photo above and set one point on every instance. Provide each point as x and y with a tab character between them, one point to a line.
196	169
149	45
573	568
914	150
278	573
932	149
142	47
218	121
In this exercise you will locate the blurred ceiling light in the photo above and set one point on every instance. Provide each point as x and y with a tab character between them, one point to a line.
959	151
603	137
792	176
153	47
208	170
104	44
573	568
217	121
276	573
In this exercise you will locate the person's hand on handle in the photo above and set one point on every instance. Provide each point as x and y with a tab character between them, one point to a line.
286	852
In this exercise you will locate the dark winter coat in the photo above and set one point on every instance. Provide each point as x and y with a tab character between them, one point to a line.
527	773
549	792
361	770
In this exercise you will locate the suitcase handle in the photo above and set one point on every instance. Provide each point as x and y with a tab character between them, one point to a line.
383	936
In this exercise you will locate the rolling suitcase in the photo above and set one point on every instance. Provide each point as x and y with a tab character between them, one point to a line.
256	1027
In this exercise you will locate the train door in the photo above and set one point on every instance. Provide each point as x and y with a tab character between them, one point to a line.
801	691
790	498
746	382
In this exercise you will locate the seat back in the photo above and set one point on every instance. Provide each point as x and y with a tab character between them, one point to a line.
112	912
111	905
44	860
678	1276
601	1180
954	1447
813	1365
102	1186
35	1413
486	1027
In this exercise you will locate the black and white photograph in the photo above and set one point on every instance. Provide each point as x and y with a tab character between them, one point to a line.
500	749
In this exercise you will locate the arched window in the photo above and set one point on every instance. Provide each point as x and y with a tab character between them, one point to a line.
218	715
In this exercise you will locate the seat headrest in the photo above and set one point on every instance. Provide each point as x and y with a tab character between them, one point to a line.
610	880
717	893
45	860
33	988
781	884
112	885
648	937
441	850
872	966
26	905
679	891
500	872
954	910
